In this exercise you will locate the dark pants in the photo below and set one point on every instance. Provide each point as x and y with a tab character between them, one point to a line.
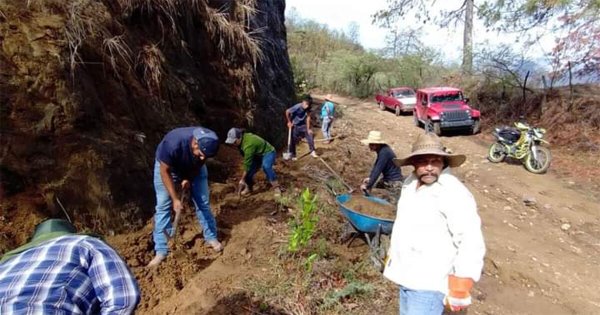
392	190
266	162
299	132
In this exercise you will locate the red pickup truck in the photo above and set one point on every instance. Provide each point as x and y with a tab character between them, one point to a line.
443	108
400	100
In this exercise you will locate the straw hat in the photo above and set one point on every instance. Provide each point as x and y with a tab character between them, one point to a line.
429	143
373	137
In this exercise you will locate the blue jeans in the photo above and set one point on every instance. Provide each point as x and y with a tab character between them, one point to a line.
414	302
326	127
267	162
299	132
162	218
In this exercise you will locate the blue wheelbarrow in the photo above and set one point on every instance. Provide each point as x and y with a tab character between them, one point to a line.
371	229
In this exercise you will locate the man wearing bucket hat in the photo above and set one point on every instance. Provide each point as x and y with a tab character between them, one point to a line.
327	116
180	159
256	152
298	120
384	165
436	248
61	272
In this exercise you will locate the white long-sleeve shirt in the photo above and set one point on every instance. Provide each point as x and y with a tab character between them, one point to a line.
437	232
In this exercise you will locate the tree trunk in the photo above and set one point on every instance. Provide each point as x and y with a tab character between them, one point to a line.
467	65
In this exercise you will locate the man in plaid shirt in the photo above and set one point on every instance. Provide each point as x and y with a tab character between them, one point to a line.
60	272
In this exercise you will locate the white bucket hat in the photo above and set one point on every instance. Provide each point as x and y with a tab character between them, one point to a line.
373	137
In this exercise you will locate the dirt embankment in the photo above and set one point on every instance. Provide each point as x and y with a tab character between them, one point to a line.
88	88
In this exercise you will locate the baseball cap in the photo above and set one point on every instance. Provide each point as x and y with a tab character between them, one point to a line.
208	141
232	135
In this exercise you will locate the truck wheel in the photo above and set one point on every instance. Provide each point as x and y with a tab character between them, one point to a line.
476	127
398	111
381	105
437	128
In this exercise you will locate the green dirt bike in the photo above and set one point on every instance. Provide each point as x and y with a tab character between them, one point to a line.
522	143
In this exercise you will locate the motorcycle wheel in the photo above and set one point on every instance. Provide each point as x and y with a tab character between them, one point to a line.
542	163
497	152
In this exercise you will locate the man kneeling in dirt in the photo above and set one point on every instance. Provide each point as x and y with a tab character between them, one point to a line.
180	159
384	164
256	152
61	272
436	248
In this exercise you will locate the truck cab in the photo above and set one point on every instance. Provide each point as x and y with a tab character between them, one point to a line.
445	108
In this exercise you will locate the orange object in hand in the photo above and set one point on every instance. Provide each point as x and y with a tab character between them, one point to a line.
459	296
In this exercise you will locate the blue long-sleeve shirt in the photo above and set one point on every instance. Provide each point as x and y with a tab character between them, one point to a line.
72	274
384	164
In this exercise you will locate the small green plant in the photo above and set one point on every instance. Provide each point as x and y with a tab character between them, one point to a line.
303	227
309	262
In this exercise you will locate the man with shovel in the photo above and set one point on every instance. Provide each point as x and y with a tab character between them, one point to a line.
384	164
180	159
298	123
256	152
436	247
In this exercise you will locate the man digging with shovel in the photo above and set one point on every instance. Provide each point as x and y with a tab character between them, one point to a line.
257	153
180	159
298	122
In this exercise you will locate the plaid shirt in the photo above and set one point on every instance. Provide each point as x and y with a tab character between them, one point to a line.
71	274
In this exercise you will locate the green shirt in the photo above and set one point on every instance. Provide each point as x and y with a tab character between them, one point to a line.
253	146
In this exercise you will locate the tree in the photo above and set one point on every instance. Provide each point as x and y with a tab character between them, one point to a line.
403	42
421	9
354	32
579	18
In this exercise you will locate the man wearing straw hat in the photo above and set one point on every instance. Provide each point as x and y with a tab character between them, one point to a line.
327	116
384	165
436	248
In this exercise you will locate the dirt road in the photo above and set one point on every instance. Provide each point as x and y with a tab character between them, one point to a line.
542	231
542	234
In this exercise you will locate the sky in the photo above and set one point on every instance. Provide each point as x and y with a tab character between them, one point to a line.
338	14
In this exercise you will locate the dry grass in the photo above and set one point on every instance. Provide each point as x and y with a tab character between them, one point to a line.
150	61
116	48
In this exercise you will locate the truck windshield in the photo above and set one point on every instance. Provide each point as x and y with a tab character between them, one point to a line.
447	97
404	93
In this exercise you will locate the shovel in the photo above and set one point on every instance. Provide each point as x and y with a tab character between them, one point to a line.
350	190
288	155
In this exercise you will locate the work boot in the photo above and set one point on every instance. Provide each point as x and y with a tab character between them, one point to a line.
216	245
156	260
314	154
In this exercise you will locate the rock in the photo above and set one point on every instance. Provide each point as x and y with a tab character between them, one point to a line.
547	206
529	201
571	183
511	200
507	208
565	227
486	191
531	294
133	262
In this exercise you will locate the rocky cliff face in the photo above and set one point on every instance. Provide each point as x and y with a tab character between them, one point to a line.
88	89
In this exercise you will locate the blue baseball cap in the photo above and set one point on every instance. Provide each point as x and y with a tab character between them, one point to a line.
208	141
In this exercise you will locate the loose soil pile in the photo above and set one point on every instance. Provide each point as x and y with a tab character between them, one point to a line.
369	207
